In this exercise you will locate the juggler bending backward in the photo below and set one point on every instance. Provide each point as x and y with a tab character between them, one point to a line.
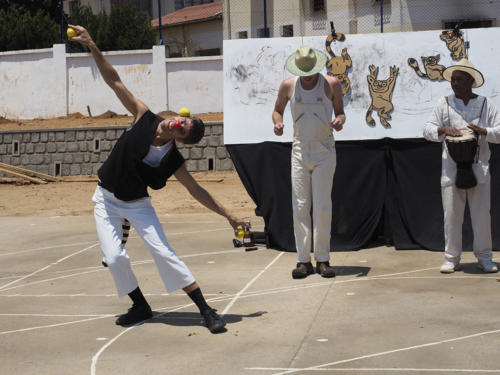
145	156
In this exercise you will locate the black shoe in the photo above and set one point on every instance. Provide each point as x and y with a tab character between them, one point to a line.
213	321
324	269
302	270
136	314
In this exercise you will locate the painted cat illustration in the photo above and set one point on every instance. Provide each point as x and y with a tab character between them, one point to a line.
454	40
433	70
381	94
337	66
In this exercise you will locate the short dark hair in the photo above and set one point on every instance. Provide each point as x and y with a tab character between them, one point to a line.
197	131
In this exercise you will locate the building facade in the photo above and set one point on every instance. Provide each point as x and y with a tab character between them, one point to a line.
152	7
283	18
193	31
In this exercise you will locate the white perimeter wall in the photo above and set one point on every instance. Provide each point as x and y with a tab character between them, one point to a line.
50	83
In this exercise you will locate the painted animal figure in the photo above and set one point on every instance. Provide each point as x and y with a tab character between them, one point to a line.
433	70
454	40
337	66
381	94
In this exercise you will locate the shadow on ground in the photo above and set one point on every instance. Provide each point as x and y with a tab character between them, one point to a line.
187	319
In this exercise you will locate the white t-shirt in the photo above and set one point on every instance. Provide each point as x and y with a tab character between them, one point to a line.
156	153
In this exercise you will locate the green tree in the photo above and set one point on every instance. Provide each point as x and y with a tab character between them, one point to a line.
123	29
24	29
51	7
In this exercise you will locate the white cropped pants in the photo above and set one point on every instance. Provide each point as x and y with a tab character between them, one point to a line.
454	200
313	167
109	213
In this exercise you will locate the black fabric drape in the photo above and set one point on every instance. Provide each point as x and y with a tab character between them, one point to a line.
264	169
387	188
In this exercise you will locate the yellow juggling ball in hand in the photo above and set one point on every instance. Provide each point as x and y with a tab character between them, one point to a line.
184	112
71	32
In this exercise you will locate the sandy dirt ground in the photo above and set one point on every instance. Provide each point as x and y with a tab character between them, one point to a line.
77	120
74	198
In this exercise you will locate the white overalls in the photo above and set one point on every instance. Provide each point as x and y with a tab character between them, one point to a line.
313	166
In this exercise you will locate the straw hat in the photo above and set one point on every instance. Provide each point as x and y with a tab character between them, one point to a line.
306	61
466	66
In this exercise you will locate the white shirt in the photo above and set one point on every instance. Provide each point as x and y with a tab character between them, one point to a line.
156	153
459	115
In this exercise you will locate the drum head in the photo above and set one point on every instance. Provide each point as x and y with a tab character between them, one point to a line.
467	135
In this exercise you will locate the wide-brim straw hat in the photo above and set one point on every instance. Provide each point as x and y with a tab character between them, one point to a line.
466	66
306	61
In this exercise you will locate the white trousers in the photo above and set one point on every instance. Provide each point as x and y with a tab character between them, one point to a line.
313	167
454	200
109	212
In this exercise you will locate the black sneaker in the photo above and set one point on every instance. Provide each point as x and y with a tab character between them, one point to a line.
302	270
213	321
324	269
136	314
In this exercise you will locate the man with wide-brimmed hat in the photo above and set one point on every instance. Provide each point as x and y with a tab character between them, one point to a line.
313	99
461	110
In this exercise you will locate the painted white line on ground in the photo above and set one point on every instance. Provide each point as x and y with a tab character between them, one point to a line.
102	269
54	325
454	370
390	352
60	315
233	300
87	242
95	358
114	295
44	268
47	248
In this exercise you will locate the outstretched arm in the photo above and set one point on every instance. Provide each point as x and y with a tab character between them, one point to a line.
206	199
109	74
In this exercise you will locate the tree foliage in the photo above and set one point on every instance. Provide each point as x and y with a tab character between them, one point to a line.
123	29
26	29
32	24
51	7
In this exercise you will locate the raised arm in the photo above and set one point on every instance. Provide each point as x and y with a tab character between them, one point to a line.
206	199
109	74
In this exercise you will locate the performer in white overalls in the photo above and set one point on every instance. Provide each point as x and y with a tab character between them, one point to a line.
313	98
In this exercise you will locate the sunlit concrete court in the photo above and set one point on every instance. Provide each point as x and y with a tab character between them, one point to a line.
386	312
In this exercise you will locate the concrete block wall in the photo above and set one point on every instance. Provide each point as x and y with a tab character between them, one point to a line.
71	152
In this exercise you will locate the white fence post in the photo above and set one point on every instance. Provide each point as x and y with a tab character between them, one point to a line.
159	79
61	77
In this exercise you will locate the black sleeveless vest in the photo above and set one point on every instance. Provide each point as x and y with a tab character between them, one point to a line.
124	174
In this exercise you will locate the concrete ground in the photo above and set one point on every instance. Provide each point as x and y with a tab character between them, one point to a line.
386	312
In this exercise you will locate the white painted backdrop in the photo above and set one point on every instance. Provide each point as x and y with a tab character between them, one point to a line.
254	69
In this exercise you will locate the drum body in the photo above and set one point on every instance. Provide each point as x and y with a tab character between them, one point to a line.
463	151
